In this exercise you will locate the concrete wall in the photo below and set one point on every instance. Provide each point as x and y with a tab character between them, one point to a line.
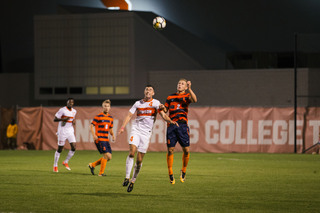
16	89
270	87
266	87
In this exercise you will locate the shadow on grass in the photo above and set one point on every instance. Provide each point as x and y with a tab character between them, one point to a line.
63	172
113	194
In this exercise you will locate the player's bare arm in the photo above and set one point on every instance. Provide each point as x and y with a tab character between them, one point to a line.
163	108
193	96
126	120
167	119
95	137
112	134
60	119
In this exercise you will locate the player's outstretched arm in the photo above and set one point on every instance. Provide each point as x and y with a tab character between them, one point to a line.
167	119
193	97
126	120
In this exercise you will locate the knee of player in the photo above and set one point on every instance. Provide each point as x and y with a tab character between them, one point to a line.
60	148
170	151
73	149
139	163
131	155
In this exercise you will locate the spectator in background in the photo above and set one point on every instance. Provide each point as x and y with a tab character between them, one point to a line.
12	131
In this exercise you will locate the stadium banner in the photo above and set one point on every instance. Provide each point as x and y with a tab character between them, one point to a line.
212	129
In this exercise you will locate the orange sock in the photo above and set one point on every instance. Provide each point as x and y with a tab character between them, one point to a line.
103	165
170	163
185	160
96	163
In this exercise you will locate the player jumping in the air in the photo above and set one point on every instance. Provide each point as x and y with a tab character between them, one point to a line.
100	128
141	132
65	116
177	105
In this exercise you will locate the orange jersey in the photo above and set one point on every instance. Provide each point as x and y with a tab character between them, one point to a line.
177	104
102	124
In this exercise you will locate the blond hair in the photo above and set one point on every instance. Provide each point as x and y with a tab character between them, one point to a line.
107	102
183	79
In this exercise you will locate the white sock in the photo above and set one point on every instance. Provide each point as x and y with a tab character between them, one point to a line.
56	158
129	165
70	154
136	171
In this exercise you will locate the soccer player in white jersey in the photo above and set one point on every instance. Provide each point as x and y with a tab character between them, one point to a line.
141	131
65	116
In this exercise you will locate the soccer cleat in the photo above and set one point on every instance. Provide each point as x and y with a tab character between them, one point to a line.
130	187
66	165
55	169
182	176
125	182
102	175
91	168
172	180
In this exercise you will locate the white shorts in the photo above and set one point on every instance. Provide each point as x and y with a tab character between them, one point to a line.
140	140
66	135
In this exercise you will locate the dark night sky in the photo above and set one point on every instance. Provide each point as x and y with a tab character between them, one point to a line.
247	25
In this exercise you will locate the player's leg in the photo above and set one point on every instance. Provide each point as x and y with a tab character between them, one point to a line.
57	155
133	144
136	170
106	151
185	160
130	159
171	142
69	156
142	150
170	164
129	163
184	140
72	140
137	166
97	162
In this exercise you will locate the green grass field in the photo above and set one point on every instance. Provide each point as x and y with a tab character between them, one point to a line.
215	183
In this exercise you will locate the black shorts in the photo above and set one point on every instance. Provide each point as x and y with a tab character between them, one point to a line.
103	147
178	134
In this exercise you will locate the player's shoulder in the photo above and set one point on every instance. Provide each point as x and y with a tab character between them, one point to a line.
62	108
156	101
73	109
173	95
139	102
100	115
187	94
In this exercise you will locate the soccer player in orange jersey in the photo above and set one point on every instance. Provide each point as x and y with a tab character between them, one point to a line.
101	127
141	131
177	104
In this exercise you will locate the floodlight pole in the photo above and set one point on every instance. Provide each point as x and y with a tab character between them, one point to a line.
295	91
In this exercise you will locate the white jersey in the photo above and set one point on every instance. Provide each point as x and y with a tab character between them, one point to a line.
146	115
62	113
